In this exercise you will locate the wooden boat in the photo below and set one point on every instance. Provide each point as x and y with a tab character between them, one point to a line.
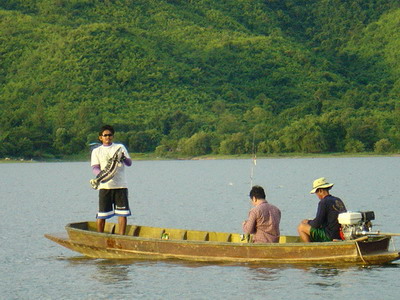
143	242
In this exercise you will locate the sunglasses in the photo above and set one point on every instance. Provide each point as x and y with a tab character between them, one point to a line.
105	135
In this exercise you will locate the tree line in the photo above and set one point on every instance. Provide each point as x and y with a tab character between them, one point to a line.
199	77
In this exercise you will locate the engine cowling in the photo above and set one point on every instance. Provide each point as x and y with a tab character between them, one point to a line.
355	224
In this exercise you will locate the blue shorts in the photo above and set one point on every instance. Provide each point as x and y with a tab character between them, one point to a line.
113	202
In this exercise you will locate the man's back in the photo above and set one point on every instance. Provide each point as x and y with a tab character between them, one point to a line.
267	218
328	210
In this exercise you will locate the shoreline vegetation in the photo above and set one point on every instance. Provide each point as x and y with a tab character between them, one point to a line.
154	157
187	79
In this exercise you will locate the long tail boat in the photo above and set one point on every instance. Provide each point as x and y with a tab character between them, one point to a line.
144	242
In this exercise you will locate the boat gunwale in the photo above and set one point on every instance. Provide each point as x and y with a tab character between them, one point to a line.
241	244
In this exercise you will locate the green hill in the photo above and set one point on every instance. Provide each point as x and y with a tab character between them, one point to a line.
198	77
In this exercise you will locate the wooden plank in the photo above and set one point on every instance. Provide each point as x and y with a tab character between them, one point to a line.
219	237
193	235
109	228
289	239
149	232
130	230
174	234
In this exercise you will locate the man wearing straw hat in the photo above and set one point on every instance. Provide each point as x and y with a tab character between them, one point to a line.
325	226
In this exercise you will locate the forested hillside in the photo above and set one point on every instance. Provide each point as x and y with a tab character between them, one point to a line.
195	77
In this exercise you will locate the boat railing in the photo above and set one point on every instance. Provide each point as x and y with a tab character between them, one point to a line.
178	234
283	239
193	235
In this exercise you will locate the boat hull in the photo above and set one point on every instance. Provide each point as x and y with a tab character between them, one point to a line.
137	244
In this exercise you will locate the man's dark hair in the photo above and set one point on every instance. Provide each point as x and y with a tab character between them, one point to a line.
326	189
258	192
106	127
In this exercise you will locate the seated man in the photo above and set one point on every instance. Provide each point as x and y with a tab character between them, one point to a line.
263	219
325	227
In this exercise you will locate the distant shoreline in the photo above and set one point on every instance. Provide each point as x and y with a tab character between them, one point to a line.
153	157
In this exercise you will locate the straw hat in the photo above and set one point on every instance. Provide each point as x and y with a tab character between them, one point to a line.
320	183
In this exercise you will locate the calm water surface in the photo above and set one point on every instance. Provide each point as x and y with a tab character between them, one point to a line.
38	198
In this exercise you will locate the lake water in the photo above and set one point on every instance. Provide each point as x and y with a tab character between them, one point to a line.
39	198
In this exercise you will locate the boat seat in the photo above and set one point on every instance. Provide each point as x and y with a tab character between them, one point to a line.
173	234
184	236
147	232
240	238
283	239
109	228
131	230
219	237
196	235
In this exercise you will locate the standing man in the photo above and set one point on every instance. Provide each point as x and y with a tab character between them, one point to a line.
113	194
325	227
264	218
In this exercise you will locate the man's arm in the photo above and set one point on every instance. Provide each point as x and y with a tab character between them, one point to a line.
126	159
95	163
249	226
96	169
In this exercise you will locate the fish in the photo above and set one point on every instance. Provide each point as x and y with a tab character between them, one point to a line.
110	169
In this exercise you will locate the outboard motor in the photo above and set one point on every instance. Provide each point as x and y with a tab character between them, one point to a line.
356	224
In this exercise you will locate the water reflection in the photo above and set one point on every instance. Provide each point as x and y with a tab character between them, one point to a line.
343	276
323	271
265	274
272	272
327	273
326	277
107	273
